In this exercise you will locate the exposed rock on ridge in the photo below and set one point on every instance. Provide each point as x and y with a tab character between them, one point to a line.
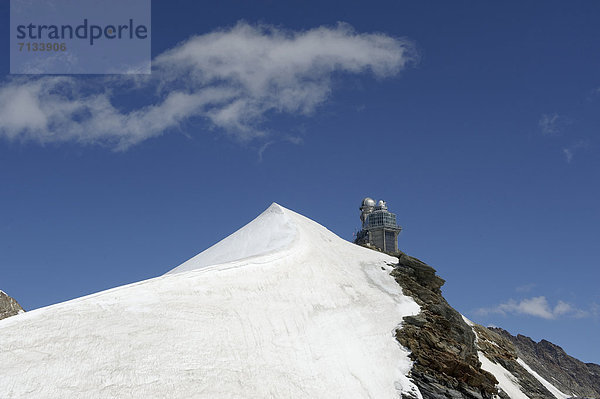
8	306
442	345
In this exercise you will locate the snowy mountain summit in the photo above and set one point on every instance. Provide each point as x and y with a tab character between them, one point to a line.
282	308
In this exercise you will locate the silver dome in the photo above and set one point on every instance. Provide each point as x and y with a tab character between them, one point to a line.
368	202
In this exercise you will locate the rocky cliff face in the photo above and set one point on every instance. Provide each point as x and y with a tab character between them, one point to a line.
447	349
551	362
443	346
8	306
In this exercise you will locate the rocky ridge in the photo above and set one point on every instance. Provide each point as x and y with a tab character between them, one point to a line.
445	349
8	306
442	345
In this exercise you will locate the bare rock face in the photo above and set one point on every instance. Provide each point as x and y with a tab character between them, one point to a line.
442	345
8	306
568	374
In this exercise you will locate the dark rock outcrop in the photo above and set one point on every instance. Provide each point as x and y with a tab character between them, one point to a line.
442	345
571	376
8	306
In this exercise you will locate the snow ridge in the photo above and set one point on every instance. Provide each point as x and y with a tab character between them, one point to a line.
283	308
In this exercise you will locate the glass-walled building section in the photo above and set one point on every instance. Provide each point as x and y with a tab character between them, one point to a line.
381	219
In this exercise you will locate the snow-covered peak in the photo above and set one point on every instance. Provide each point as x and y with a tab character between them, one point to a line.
281	308
271	231
273	234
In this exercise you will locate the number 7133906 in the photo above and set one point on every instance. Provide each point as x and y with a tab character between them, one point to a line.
28	46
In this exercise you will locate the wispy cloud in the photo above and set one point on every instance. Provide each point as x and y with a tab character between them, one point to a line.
570	151
537	307
233	79
553	125
549	124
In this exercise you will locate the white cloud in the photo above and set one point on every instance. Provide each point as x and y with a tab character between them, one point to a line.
570	151
537	307
232	78
51	109
549	124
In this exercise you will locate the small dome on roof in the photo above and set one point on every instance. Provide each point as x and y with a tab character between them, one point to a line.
381	205
368	202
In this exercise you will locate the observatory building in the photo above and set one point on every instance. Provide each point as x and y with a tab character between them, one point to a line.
379	227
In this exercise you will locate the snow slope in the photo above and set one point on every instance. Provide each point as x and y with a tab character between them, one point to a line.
510	384
269	233
553	390
507	382
283	308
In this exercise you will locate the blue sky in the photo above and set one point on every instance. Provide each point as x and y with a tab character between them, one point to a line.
476	121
